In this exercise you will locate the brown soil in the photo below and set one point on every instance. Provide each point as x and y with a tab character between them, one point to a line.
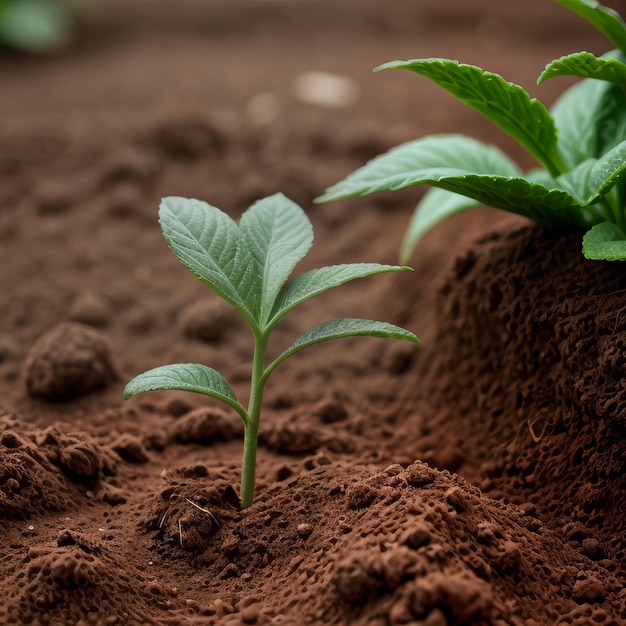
478	479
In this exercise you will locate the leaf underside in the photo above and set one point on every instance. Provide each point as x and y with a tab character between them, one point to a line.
463	166
403	165
436	205
605	242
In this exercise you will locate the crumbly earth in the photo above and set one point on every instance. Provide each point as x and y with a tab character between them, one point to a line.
475	480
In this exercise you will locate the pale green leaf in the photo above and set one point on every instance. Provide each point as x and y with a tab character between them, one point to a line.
34	25
590	118
577	181
186	377
540	176
606	20
207	242
436	205
405	165
605	242
317	281
444	161
587	65
278	235
507	105
607	171
336	329
592	179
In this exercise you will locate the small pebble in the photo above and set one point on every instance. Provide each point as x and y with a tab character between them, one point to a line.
304	530
588	590
325	89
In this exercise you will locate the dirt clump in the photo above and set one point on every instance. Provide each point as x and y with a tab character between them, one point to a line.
67	362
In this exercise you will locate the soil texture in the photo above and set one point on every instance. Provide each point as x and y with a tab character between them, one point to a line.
477	479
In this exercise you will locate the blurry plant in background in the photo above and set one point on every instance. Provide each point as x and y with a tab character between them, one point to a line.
37	26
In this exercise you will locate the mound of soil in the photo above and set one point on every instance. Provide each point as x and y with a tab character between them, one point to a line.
477	479
534	335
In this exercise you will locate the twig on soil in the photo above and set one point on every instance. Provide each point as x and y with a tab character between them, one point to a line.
531	429
204	511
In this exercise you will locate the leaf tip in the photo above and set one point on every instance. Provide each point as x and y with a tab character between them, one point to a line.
128	391
389	65
327	196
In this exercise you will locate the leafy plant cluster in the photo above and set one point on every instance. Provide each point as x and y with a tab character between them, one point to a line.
580	144
248	265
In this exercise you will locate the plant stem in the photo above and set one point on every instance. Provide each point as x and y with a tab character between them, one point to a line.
615	200
251	431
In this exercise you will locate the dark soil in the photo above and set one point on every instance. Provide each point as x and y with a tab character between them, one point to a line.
477	479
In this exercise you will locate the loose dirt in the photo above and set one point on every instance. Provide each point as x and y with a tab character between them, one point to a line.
477	479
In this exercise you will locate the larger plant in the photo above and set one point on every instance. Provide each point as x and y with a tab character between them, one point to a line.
580	144
248	265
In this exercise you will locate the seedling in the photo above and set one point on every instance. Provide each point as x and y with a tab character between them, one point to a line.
580	144
248	266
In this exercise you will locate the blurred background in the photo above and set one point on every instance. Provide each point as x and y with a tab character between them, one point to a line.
108	105
80	62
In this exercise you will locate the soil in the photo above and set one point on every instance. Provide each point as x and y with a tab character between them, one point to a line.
477	479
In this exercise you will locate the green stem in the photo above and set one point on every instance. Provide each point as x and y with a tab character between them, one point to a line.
554	164
251	431
613	208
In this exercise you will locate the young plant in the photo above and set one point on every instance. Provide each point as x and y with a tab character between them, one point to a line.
248	266
580	144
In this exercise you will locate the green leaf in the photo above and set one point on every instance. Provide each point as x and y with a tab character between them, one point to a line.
405	165
336	329
317	281
605	242
546	206
541	177
507	105
247	265
436	205
577	181
606	20
186	377
207	242
587	65
34	25
592	179
278	235
607	172
444	161
590	118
